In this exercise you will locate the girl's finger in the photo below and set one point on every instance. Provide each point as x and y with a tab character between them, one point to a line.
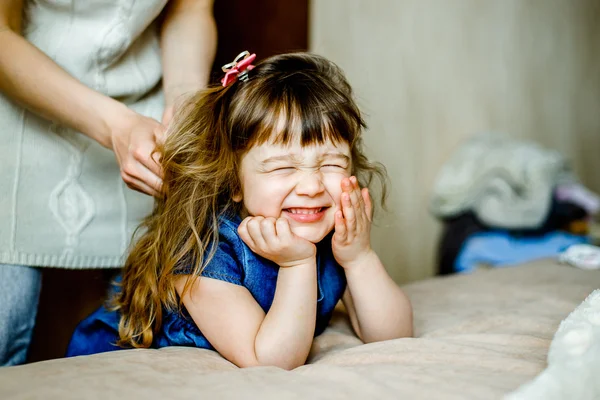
357	203
368	204
245	235
354	197
349	213
255	233
357	188
346	185
283	230
267	229
341	233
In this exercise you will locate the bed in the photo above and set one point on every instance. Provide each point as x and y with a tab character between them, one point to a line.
477	336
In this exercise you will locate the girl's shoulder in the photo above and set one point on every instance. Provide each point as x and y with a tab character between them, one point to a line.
229	236
227	261
228	226
225	256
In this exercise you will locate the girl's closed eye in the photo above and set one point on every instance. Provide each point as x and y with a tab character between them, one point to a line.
287	168
334	166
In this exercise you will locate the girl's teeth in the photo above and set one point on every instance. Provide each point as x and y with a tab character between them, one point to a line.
304	210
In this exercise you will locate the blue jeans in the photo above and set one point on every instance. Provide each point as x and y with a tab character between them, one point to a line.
19	295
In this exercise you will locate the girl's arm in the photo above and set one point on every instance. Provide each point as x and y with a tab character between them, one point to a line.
240	331
188	43
31	78
377	307
236	325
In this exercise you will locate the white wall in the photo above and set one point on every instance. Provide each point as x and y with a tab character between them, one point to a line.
429	73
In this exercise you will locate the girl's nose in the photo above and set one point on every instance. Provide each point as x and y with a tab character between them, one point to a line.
310	184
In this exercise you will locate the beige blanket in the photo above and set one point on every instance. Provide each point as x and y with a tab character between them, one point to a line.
477	337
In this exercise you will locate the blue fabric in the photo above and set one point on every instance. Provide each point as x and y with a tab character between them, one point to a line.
499	248
235	263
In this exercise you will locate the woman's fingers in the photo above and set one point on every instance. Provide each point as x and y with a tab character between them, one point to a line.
141	185
134	144
147	157
140	178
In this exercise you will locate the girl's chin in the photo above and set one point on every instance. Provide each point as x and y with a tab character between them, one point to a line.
312	235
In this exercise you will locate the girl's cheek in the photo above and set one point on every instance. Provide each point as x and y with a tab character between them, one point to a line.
333	183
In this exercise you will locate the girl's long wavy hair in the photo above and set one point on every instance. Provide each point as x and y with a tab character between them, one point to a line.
200	159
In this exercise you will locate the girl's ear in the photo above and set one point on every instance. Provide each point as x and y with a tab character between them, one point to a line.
237	197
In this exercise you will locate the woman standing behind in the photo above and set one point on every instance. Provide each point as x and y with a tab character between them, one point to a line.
81	98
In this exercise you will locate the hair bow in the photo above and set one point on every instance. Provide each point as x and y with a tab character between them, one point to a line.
238	68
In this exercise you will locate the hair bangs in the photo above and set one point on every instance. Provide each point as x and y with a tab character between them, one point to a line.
307	117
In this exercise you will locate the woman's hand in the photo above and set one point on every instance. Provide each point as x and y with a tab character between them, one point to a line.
274	240
168	115
134	141
351	242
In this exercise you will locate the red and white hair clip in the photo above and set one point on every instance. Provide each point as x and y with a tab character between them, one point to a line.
238	68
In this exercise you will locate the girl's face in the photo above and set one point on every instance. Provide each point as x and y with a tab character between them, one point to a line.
300	184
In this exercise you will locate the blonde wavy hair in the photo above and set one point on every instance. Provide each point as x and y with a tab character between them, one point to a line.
200	159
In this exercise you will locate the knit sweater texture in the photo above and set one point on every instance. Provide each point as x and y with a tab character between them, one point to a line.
62	200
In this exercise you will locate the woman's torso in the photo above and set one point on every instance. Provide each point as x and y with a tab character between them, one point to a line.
111	46
62	201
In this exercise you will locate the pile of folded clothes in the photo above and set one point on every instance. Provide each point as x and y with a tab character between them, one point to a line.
505	201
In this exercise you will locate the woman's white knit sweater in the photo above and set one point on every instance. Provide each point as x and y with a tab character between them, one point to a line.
62	200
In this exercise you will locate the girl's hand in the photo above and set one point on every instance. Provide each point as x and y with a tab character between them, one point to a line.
352	239
273	239
134	141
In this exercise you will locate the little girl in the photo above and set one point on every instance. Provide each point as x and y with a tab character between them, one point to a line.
263	226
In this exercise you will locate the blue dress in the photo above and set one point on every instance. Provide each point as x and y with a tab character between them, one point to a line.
235	263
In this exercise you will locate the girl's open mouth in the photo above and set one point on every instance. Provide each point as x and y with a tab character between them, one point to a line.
303	214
